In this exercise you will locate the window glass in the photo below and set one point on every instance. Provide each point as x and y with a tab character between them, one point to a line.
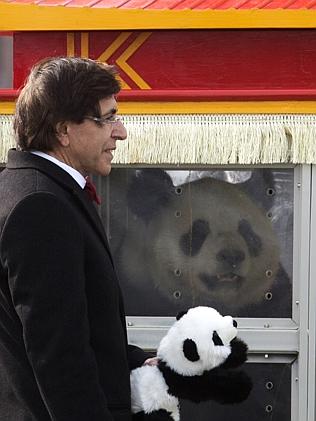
182	238
270	398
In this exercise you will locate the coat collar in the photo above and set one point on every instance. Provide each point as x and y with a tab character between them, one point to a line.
21	159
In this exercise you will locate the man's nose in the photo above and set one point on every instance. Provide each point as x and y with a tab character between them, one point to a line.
119	131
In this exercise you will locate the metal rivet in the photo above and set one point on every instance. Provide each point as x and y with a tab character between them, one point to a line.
269	273
268	295
177	272
299	185
269	408
270	191
269	385
177	294
266	325
130	324
266	356
178	190
177	214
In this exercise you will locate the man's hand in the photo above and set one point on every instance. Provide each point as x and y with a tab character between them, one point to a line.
151	361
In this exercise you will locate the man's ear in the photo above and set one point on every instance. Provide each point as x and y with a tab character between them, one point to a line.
61	133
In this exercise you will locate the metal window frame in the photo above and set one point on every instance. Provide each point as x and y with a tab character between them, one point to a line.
6	60
275	340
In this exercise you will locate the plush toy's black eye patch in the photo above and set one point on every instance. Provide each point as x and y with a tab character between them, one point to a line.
216	339
253	241
190	350
192	241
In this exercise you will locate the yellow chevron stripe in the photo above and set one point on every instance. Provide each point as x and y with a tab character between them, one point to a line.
111	49
84	44
70	44
121	61
114	46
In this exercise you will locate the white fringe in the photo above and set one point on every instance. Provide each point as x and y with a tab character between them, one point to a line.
6	136
207	139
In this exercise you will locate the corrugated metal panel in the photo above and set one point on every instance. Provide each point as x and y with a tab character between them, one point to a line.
178	4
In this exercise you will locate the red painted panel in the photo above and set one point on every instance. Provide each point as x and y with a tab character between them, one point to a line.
30	47
192	59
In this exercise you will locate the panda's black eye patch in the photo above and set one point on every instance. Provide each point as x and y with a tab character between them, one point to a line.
253	241
192	241
190	350
216	339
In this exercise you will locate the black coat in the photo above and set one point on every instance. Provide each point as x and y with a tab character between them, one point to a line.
63	346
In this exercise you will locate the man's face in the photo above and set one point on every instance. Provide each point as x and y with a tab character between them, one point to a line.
91	144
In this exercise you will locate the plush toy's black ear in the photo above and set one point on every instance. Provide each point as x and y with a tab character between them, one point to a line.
190	350
180	314
148	191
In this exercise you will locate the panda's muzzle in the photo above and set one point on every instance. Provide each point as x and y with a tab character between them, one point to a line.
221	279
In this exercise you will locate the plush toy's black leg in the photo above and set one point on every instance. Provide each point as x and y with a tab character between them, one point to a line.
160	415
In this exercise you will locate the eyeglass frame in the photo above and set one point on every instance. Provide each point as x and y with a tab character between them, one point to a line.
103	121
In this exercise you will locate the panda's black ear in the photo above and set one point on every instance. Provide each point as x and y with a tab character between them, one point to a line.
148	191
190	350
180	314
261	187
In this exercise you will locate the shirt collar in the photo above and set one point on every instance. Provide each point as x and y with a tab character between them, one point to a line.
79	178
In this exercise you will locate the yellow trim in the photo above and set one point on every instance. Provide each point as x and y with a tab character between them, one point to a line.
223	107
7	107
84	44
30	17
121	61
70	44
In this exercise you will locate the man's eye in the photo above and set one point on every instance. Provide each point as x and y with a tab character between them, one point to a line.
110	119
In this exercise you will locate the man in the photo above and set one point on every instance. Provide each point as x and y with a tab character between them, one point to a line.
63	347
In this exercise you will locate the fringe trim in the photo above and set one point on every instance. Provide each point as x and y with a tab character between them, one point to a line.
207	139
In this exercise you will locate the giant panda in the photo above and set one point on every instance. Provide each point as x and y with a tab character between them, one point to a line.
206	242
197	358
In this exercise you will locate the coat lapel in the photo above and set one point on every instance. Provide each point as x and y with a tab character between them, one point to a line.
18	159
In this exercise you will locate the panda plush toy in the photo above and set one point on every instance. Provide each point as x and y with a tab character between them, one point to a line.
197	361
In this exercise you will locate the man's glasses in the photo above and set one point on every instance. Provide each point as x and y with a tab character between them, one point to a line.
104	120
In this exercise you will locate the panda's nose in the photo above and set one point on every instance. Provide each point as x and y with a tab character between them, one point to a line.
232	257
235	324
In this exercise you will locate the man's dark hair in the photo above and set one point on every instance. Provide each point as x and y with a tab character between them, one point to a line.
60	89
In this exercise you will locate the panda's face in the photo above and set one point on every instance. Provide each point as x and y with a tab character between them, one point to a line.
210	243
198	342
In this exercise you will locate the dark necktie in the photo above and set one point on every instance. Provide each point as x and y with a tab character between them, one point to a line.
91	191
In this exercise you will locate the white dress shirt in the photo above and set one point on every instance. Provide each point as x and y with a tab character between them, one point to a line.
79	178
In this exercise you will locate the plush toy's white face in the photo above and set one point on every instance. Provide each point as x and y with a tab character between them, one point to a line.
198	341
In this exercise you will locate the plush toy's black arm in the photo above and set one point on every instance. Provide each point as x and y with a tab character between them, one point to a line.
238	354
228	386
219	384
